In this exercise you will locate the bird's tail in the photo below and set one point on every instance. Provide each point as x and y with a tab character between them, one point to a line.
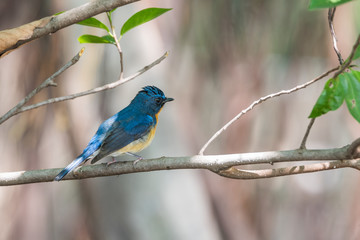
69	168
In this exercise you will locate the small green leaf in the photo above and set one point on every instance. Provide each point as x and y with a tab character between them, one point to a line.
141	17
315	4
93	22
96	39
351	84
330	99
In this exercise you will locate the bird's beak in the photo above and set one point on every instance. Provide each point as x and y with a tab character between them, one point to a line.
168	100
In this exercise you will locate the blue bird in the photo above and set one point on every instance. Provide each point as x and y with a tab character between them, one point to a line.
128	131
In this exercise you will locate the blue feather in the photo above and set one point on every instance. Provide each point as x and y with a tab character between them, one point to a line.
69	168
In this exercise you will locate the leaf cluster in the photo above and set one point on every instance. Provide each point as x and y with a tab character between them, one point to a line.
343	87
135	20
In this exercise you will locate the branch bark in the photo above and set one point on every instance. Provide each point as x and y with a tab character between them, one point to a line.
14	38
223	165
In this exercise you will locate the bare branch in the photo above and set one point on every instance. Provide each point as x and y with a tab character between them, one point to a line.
263	99
303	142
220	164
331	14
349	60
286	171
52	24
95	90
47	83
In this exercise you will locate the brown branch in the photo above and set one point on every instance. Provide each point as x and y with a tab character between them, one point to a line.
263	99
47	83
52	24
220	164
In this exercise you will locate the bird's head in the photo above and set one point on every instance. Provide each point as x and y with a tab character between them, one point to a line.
150	99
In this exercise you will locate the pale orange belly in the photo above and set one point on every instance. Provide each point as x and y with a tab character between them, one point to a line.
137	145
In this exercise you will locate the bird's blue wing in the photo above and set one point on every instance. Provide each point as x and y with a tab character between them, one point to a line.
124	131
92	148
98	139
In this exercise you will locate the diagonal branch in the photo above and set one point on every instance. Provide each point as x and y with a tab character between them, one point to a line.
220	164
13	38
260	100
47	83
331	14
303	142
95	90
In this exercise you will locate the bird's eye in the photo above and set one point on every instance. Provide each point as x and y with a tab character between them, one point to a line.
157	100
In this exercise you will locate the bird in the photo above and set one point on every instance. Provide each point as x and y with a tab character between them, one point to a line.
127	132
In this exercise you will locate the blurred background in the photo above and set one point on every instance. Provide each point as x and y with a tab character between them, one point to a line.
223	56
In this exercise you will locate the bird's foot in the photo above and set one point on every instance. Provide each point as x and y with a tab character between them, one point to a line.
109	163
139	158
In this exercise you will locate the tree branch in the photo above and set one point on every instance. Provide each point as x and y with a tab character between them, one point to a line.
14	38
95	90
331	14
220	164
277	172
303	142
260	100
47	83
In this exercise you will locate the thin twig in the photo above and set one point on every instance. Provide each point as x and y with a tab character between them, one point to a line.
47	83
349	60
303	142
117	46
260	100
331	14
95	90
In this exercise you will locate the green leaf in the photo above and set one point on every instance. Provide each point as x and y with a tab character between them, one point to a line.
351	85
315	4
357	53
96	39
93	22
141	17
330	99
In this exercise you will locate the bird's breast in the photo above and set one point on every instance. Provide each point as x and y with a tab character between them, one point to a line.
137	145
